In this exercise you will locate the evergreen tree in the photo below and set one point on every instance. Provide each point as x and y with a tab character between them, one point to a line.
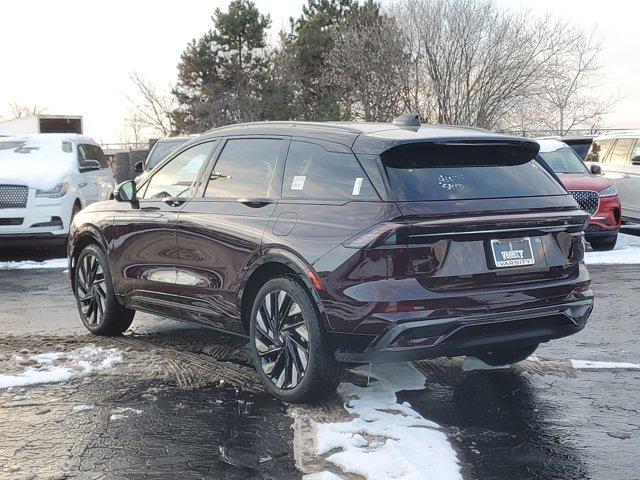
308	45
223	76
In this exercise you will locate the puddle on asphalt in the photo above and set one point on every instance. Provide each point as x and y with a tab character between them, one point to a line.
507	424
213	432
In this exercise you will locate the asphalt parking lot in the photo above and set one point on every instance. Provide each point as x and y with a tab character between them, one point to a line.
168	400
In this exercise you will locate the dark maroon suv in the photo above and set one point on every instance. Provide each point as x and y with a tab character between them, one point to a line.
327	244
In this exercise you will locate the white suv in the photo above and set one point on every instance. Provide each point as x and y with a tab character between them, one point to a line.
45	179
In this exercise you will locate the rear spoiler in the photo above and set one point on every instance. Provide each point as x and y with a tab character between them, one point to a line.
451	151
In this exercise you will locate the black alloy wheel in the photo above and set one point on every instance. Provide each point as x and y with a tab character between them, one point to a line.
91	290
282	339
99	309
288	343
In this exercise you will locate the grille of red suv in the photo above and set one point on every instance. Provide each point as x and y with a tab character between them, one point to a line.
13	196
589	201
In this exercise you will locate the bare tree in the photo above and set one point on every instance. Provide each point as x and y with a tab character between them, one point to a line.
19	111
152	107
479	63
569	100
366	66
133	132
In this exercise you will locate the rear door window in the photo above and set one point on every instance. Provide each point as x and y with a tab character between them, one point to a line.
599	149
620	154
245	169
87	151
313	172
430	172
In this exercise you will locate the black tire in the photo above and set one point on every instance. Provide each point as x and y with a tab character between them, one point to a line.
604	243
98	307
279	348
506	355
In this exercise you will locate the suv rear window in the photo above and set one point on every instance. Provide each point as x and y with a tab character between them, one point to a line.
419	172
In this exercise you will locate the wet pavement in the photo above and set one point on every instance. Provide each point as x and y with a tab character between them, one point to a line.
186	404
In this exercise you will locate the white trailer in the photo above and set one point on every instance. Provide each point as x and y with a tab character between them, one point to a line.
42	124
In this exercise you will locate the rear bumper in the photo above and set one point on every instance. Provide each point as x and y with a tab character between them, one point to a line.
469	335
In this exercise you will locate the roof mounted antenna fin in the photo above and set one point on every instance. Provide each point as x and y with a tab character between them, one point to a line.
409	120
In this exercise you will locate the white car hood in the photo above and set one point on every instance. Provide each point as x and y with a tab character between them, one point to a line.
41	170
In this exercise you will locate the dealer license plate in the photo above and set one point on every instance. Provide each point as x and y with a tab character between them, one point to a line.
512	252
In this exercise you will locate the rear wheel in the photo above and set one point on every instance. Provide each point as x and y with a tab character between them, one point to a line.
604	243
507	355
288	346
99	309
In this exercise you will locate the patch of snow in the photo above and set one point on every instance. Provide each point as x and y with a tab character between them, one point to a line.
472	363
386	439
121	413
82	408
321	476
626	251
30	264
53	367
588	364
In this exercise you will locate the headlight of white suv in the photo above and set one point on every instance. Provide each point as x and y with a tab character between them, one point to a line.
611	191
56	192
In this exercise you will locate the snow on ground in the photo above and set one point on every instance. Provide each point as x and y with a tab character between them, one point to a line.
55	367
123	413
30	264
588	364
82	408
626	251
386	440
472	363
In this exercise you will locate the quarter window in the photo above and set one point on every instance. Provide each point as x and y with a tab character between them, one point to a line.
313	172
245	169
176	177
636	150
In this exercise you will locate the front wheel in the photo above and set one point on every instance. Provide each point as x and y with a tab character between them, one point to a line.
99	309
604	243
507	355
288	346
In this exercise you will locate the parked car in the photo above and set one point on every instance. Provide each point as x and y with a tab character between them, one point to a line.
618	155
45	179
328	244
579	143
159	151
596	195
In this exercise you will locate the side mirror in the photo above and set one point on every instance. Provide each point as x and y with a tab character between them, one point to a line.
595	169
89	165
138	168
635	160
125	192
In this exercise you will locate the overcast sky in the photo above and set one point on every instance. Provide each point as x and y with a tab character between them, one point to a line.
74	56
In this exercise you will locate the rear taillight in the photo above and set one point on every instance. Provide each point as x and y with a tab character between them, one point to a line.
373	236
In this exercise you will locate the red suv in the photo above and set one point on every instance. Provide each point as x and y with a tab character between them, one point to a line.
595	194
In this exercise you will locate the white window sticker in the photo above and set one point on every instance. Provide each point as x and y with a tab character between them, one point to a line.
357	185
298	182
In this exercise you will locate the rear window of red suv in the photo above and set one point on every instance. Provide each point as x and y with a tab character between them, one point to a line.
425	172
